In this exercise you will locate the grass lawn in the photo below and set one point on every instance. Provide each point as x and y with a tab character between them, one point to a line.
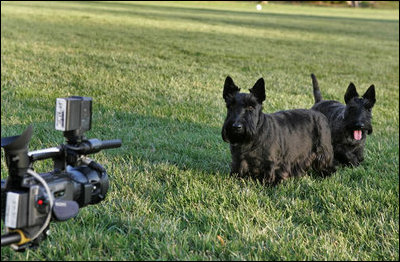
155	72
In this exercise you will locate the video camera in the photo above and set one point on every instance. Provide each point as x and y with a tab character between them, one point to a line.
30	200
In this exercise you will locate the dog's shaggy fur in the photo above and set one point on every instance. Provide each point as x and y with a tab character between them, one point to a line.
349	123
273	147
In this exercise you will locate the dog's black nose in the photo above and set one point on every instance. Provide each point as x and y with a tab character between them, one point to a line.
237	126
359	125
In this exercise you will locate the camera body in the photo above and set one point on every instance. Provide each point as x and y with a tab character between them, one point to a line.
30	200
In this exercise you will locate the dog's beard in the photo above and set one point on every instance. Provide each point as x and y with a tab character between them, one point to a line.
354	130
234	136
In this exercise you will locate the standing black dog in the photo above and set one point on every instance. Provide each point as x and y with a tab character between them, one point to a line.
273	147
349	123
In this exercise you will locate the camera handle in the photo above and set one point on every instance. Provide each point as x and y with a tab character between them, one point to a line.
10	238
84	148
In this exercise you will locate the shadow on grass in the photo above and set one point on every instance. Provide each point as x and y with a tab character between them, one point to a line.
187	145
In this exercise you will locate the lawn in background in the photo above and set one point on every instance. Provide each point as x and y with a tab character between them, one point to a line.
155	72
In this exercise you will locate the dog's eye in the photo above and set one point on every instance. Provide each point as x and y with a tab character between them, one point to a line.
250	108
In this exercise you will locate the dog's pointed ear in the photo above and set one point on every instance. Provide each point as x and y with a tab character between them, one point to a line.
350	93
369	96
229	88
258	90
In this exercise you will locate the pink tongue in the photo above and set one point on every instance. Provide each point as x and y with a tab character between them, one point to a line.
357	134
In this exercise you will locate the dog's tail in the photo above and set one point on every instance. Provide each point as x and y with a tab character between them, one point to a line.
317	93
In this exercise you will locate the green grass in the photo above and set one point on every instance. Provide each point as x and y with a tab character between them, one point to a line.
155	72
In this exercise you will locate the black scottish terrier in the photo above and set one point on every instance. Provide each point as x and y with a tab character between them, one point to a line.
273	147
349	123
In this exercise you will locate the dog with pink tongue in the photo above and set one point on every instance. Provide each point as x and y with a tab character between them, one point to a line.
350	123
